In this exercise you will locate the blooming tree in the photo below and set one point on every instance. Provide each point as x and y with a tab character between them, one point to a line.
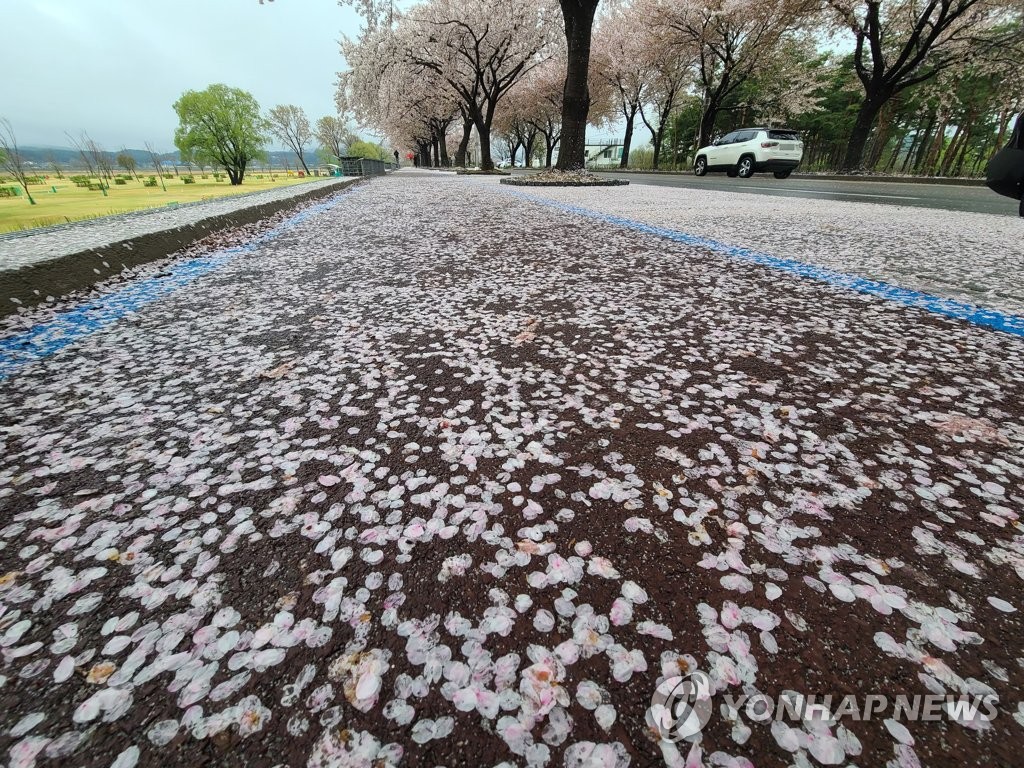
732	40
900	43
621	62
479	50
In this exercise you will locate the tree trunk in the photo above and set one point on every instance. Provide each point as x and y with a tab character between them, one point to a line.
467	134
933	152
424	153
958	166
528	150
925	143
952	149
442	146
627	141
549	148
483	131
707	126
579	23
657	137
880	140
869	109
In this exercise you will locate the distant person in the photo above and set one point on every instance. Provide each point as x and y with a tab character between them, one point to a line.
397	161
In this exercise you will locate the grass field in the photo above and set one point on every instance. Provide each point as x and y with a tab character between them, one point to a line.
70	203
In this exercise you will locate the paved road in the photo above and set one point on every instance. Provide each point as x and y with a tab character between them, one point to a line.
439	475
953	198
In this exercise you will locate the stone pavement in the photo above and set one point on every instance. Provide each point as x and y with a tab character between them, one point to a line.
440	475
22	249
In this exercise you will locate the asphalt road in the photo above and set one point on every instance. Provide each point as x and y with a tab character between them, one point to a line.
971	199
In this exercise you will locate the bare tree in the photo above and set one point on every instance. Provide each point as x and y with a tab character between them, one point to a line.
100	157
290	124
126	161
52	161
155	158
83	153
10	156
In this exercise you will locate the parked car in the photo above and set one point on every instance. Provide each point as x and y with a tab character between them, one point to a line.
752	150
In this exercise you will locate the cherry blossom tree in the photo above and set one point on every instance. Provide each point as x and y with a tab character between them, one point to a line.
900	43
732	40
621	62
480	50
669	70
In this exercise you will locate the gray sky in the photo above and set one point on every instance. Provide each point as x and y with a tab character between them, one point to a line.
115	67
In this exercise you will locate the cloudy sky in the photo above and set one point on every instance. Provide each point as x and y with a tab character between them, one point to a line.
115	67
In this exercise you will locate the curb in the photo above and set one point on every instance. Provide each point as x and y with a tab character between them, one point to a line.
77	271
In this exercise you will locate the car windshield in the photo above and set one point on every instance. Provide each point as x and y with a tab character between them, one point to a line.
784	135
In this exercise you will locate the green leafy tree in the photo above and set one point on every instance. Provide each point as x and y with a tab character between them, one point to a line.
360	148
221	126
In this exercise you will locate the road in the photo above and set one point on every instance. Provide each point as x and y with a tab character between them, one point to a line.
972	199
438	474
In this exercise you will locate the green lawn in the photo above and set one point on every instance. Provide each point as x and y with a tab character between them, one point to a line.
71	203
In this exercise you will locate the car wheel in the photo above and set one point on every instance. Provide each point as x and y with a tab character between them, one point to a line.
782	174
731	173
700	167
745	168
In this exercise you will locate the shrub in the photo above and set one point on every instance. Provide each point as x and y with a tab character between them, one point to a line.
120	182
189	179
150	182
218	177
95	187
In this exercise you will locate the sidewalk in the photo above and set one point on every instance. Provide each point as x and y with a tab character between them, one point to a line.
442	475
54	261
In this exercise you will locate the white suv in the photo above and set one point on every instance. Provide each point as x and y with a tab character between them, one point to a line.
744	152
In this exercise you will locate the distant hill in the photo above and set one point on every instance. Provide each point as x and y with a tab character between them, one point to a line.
70	160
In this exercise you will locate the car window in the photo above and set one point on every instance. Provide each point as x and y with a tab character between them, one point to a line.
729	138
784	135
745	135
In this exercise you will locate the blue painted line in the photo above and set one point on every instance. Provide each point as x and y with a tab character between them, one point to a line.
988	318
46	339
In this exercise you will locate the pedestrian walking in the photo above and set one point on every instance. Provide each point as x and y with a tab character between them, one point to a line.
397	161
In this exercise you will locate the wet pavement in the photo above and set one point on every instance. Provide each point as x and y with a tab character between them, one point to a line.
441	475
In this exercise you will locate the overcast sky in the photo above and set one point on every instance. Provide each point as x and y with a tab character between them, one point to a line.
115	67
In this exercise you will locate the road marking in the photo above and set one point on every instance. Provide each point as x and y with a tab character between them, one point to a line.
988	318
820	192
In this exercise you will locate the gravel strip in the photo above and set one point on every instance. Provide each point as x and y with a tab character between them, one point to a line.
22	249
972	257
442	477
